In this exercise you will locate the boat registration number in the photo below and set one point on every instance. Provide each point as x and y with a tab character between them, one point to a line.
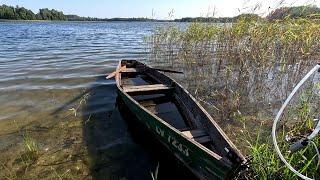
173	141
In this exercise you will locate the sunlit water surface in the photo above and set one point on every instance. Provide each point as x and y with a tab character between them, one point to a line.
55	99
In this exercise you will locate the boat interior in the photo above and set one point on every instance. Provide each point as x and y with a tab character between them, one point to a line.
160	96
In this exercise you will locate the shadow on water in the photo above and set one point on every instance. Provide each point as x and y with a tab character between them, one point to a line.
119	147
169	167
112	153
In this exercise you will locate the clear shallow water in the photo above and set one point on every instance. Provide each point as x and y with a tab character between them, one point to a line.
53	90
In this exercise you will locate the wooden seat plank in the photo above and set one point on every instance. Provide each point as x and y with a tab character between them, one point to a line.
197	135
194	133
129	70
143	88
202	139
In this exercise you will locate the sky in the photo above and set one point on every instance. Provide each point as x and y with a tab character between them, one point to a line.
159	9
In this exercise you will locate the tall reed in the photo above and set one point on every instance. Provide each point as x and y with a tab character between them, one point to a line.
242	72
250	63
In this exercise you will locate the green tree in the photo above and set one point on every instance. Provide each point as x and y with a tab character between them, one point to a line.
46	14
9	12
294	12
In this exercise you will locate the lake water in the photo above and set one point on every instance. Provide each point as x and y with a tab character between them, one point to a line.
54	99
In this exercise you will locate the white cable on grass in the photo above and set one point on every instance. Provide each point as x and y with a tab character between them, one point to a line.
276	120
315	131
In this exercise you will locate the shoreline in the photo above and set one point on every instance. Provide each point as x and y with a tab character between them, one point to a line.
15	20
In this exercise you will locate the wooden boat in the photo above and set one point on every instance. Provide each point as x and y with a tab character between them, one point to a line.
177	120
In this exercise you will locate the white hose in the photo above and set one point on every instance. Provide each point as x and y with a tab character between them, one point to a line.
276	120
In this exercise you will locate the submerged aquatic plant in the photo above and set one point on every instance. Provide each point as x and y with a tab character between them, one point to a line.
29	143
81	103
31	149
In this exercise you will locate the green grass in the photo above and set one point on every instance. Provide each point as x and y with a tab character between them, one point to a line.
29	143
265	163
31	152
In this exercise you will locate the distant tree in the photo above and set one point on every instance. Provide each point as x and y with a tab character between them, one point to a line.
248	17
16	13
46	14
206	19
219	19
23	13
7	12
294	12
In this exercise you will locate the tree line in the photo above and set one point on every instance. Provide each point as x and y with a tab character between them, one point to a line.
21	13
311	12
218	20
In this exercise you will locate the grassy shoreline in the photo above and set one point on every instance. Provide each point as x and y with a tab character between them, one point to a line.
242	73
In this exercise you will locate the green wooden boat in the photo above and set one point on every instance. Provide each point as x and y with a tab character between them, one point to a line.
177	120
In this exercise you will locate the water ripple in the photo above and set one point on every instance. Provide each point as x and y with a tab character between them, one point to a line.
41	59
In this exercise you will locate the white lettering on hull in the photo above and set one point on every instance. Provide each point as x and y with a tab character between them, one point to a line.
171	140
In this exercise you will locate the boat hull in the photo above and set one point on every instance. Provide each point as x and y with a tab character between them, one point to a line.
197	159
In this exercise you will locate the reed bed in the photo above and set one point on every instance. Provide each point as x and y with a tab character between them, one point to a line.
242	72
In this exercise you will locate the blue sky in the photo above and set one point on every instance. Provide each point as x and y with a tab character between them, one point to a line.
159	9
